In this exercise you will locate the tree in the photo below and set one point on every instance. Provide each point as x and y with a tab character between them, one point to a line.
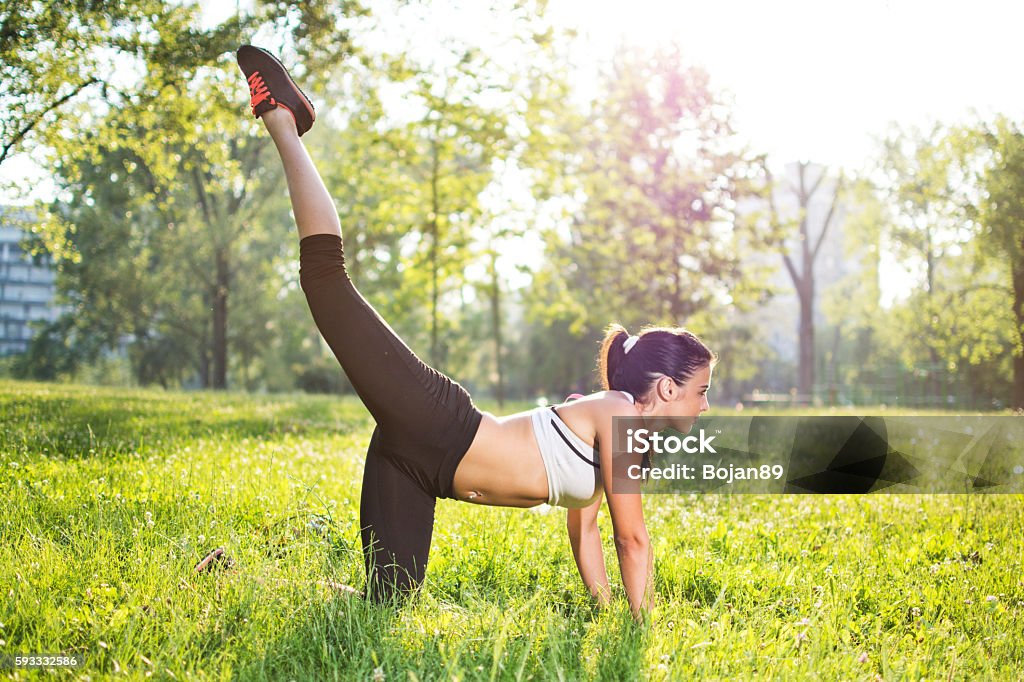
159	251
947	338
183	198
655	237
927	221
807	246
451	147
865	342
56	54
50	56
995	155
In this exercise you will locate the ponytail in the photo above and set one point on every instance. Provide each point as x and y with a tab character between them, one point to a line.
612	354
656	352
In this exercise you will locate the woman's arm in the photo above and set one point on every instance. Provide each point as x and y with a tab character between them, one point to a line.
632	544
585	539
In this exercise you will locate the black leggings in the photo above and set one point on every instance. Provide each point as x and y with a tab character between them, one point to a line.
425	421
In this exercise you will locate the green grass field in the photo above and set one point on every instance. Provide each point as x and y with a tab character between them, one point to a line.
110	496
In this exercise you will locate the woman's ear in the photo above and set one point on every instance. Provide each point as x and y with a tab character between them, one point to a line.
666	389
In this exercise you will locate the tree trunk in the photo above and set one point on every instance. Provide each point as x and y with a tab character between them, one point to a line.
204	365
434	250
221	285
803	281
832	371
1018	316
806	374
496	326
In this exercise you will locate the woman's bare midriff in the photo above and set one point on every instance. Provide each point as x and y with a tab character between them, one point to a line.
503	466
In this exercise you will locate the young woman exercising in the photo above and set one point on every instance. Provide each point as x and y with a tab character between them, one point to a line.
430	440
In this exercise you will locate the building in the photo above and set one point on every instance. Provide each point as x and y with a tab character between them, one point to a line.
27	287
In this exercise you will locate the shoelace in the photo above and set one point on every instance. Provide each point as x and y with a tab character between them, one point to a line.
258	91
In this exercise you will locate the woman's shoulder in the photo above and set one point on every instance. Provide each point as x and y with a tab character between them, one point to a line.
610	403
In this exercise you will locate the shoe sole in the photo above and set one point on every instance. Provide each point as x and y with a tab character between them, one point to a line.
302	96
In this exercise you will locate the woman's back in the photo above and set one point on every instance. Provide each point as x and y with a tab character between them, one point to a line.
505	466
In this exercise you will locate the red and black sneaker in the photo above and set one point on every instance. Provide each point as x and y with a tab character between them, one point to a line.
270	86
215	559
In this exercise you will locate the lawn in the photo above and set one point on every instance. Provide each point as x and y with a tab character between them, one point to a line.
110	496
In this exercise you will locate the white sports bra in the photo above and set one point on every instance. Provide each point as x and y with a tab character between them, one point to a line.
572	465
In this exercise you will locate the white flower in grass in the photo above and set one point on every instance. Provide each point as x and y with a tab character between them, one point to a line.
991	599
378	674
863	658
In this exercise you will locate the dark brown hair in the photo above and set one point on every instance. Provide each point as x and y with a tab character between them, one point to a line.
669	351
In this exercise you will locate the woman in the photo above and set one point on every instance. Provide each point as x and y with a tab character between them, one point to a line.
430	440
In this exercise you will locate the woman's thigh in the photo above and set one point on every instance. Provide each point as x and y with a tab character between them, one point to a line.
402	392
396	524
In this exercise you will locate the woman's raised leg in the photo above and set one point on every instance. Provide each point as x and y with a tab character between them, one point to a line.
428	419
388	377
312	204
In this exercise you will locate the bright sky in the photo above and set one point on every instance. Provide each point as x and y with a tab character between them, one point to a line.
816	80
810	80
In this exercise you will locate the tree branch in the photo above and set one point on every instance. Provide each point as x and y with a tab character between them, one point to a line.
797	279
20	135
824	171
828	218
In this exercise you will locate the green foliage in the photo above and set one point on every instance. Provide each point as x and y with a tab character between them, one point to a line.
954	326
111	497
165	229
920	178
49	56
654	238
995	151
161	219
408	182
50	356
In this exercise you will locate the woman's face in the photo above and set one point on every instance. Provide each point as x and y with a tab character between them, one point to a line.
693	395
682	403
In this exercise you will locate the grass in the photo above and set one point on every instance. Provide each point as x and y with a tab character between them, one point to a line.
112	495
